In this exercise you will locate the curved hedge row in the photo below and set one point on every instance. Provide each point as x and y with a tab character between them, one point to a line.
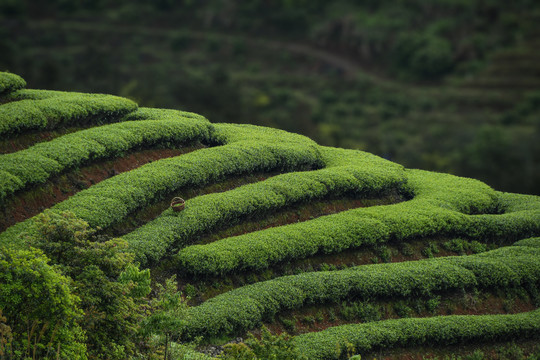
534	242
55	111
39	162
444	330
209	211
10	82
440	207
246	307
112	199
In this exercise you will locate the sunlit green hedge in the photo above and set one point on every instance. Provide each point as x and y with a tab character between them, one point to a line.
246	307
210	211
441	206
66	109
111	200
38	163
534	242
10	82
441	330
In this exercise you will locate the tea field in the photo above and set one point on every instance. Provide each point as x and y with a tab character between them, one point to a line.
348	252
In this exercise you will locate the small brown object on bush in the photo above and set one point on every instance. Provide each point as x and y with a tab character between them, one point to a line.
178	204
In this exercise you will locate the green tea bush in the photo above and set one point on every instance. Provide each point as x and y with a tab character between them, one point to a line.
113	199
441	205
258	250
10	82
419	331
533	242
66	109
40	162
244	308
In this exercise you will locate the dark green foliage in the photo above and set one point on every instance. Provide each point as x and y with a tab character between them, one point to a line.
104	278
190	290
268	347
431	250
407	250
39	308
402	309
432	304
6	336
289	324
424	55
362	311
513	352
413	332
167	313
308	320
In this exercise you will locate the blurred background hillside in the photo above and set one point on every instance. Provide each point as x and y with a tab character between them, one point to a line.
444	85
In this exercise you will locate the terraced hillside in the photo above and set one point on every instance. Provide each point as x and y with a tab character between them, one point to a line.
350	252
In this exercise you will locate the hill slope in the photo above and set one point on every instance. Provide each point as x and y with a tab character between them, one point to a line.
277	229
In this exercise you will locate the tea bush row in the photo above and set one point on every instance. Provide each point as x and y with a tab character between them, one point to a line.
10	82
437	209
246	307
113	199
443	330
67	109
207	212
39	162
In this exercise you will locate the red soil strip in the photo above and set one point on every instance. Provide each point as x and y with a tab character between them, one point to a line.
28	139
33	201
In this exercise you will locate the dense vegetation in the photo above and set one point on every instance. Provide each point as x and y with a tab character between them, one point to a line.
166	289
446	85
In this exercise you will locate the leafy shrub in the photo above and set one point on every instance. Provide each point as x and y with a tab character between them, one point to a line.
289	324
38	307
430	250
244	308
190	290
407	250
432	304
40	162
111	200
108	284
60	110
440	206
308	320
419	331
167	313
385	254
423	55
10	82
402	309
268	347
